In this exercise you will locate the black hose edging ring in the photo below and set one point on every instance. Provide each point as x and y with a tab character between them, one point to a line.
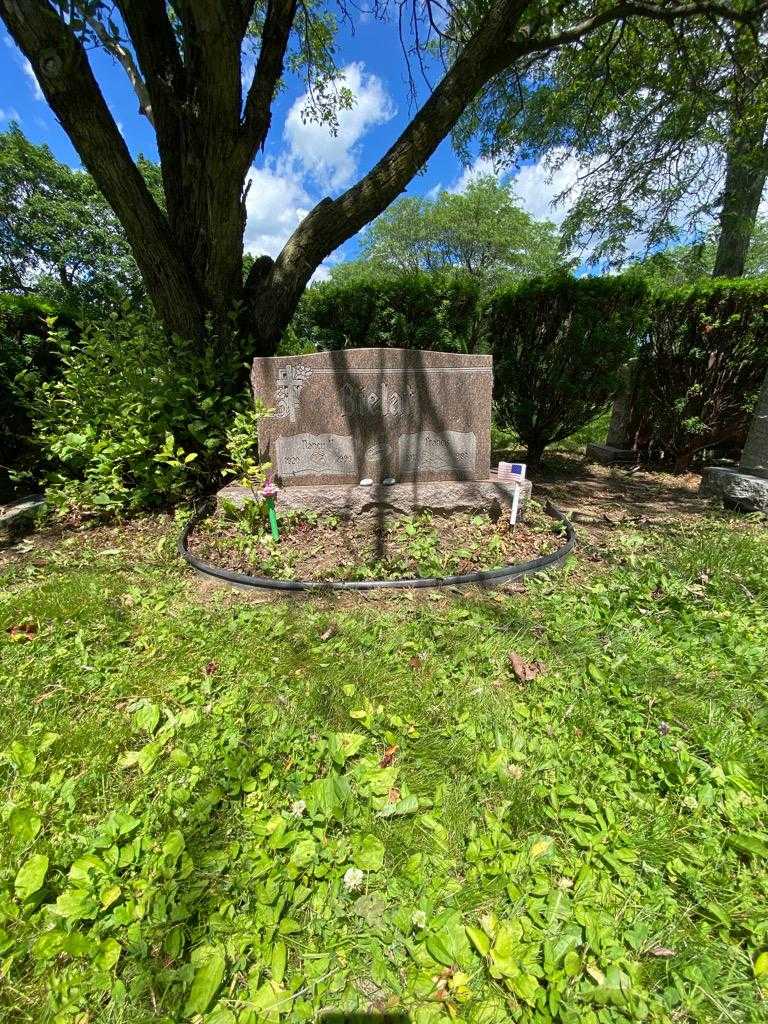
488	578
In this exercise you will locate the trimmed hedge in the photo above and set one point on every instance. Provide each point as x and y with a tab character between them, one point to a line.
413	311
700	368
559	343
558	347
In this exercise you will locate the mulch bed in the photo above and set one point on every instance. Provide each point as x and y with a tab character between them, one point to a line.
369	547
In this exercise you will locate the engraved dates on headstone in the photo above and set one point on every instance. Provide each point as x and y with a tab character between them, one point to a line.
426	452
314	454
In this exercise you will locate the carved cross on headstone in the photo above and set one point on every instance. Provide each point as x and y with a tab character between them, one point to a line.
290	381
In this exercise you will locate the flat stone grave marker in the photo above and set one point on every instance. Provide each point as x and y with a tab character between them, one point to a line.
375	413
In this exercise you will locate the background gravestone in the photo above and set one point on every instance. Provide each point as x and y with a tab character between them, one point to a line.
619	446
343	416
747	487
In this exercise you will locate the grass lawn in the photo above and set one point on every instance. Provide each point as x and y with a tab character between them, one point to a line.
227	809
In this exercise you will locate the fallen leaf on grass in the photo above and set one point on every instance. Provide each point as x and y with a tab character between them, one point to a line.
525	670
388	757
23	631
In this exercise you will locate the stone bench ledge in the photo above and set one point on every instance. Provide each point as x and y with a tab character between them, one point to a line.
348	500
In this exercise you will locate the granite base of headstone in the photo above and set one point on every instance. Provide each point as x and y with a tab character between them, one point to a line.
745	488
347	501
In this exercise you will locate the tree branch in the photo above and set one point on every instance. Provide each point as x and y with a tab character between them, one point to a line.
332	222
657	12
65	76
154	41
125	58
269	67
494	47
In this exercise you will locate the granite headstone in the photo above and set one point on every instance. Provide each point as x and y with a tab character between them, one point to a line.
375	413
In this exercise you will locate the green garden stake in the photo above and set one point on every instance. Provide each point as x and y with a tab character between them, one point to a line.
269	492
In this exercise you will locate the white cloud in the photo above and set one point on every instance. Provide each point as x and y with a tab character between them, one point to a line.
26	67
333	159
481	168
323	273
282	190
537	185
10	114
275	204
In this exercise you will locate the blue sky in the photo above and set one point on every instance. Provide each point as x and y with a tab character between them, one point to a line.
302	161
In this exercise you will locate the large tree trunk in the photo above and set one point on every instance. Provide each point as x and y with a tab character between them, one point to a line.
745	177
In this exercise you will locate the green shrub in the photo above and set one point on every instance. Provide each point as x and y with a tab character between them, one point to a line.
136	419
28	357
423	311
558	346
700	367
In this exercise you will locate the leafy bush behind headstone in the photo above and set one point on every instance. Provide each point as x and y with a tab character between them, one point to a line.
700	367
28	357
558	347
423	311
136	419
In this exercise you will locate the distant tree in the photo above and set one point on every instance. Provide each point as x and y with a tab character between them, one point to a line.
481	232
58	236
667	124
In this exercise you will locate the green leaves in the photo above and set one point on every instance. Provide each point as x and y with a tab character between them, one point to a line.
24	824
271	870
479	940
328	796
31	876
304	853
22	758
343	745
749	844
75	905
279	961
369	853
146	716
210	962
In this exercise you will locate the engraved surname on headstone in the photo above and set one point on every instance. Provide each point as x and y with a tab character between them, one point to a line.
428	452
376	400
315	455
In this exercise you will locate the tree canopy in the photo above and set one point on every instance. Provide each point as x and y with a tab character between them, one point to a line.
666	123
58	236
481	232
185	62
